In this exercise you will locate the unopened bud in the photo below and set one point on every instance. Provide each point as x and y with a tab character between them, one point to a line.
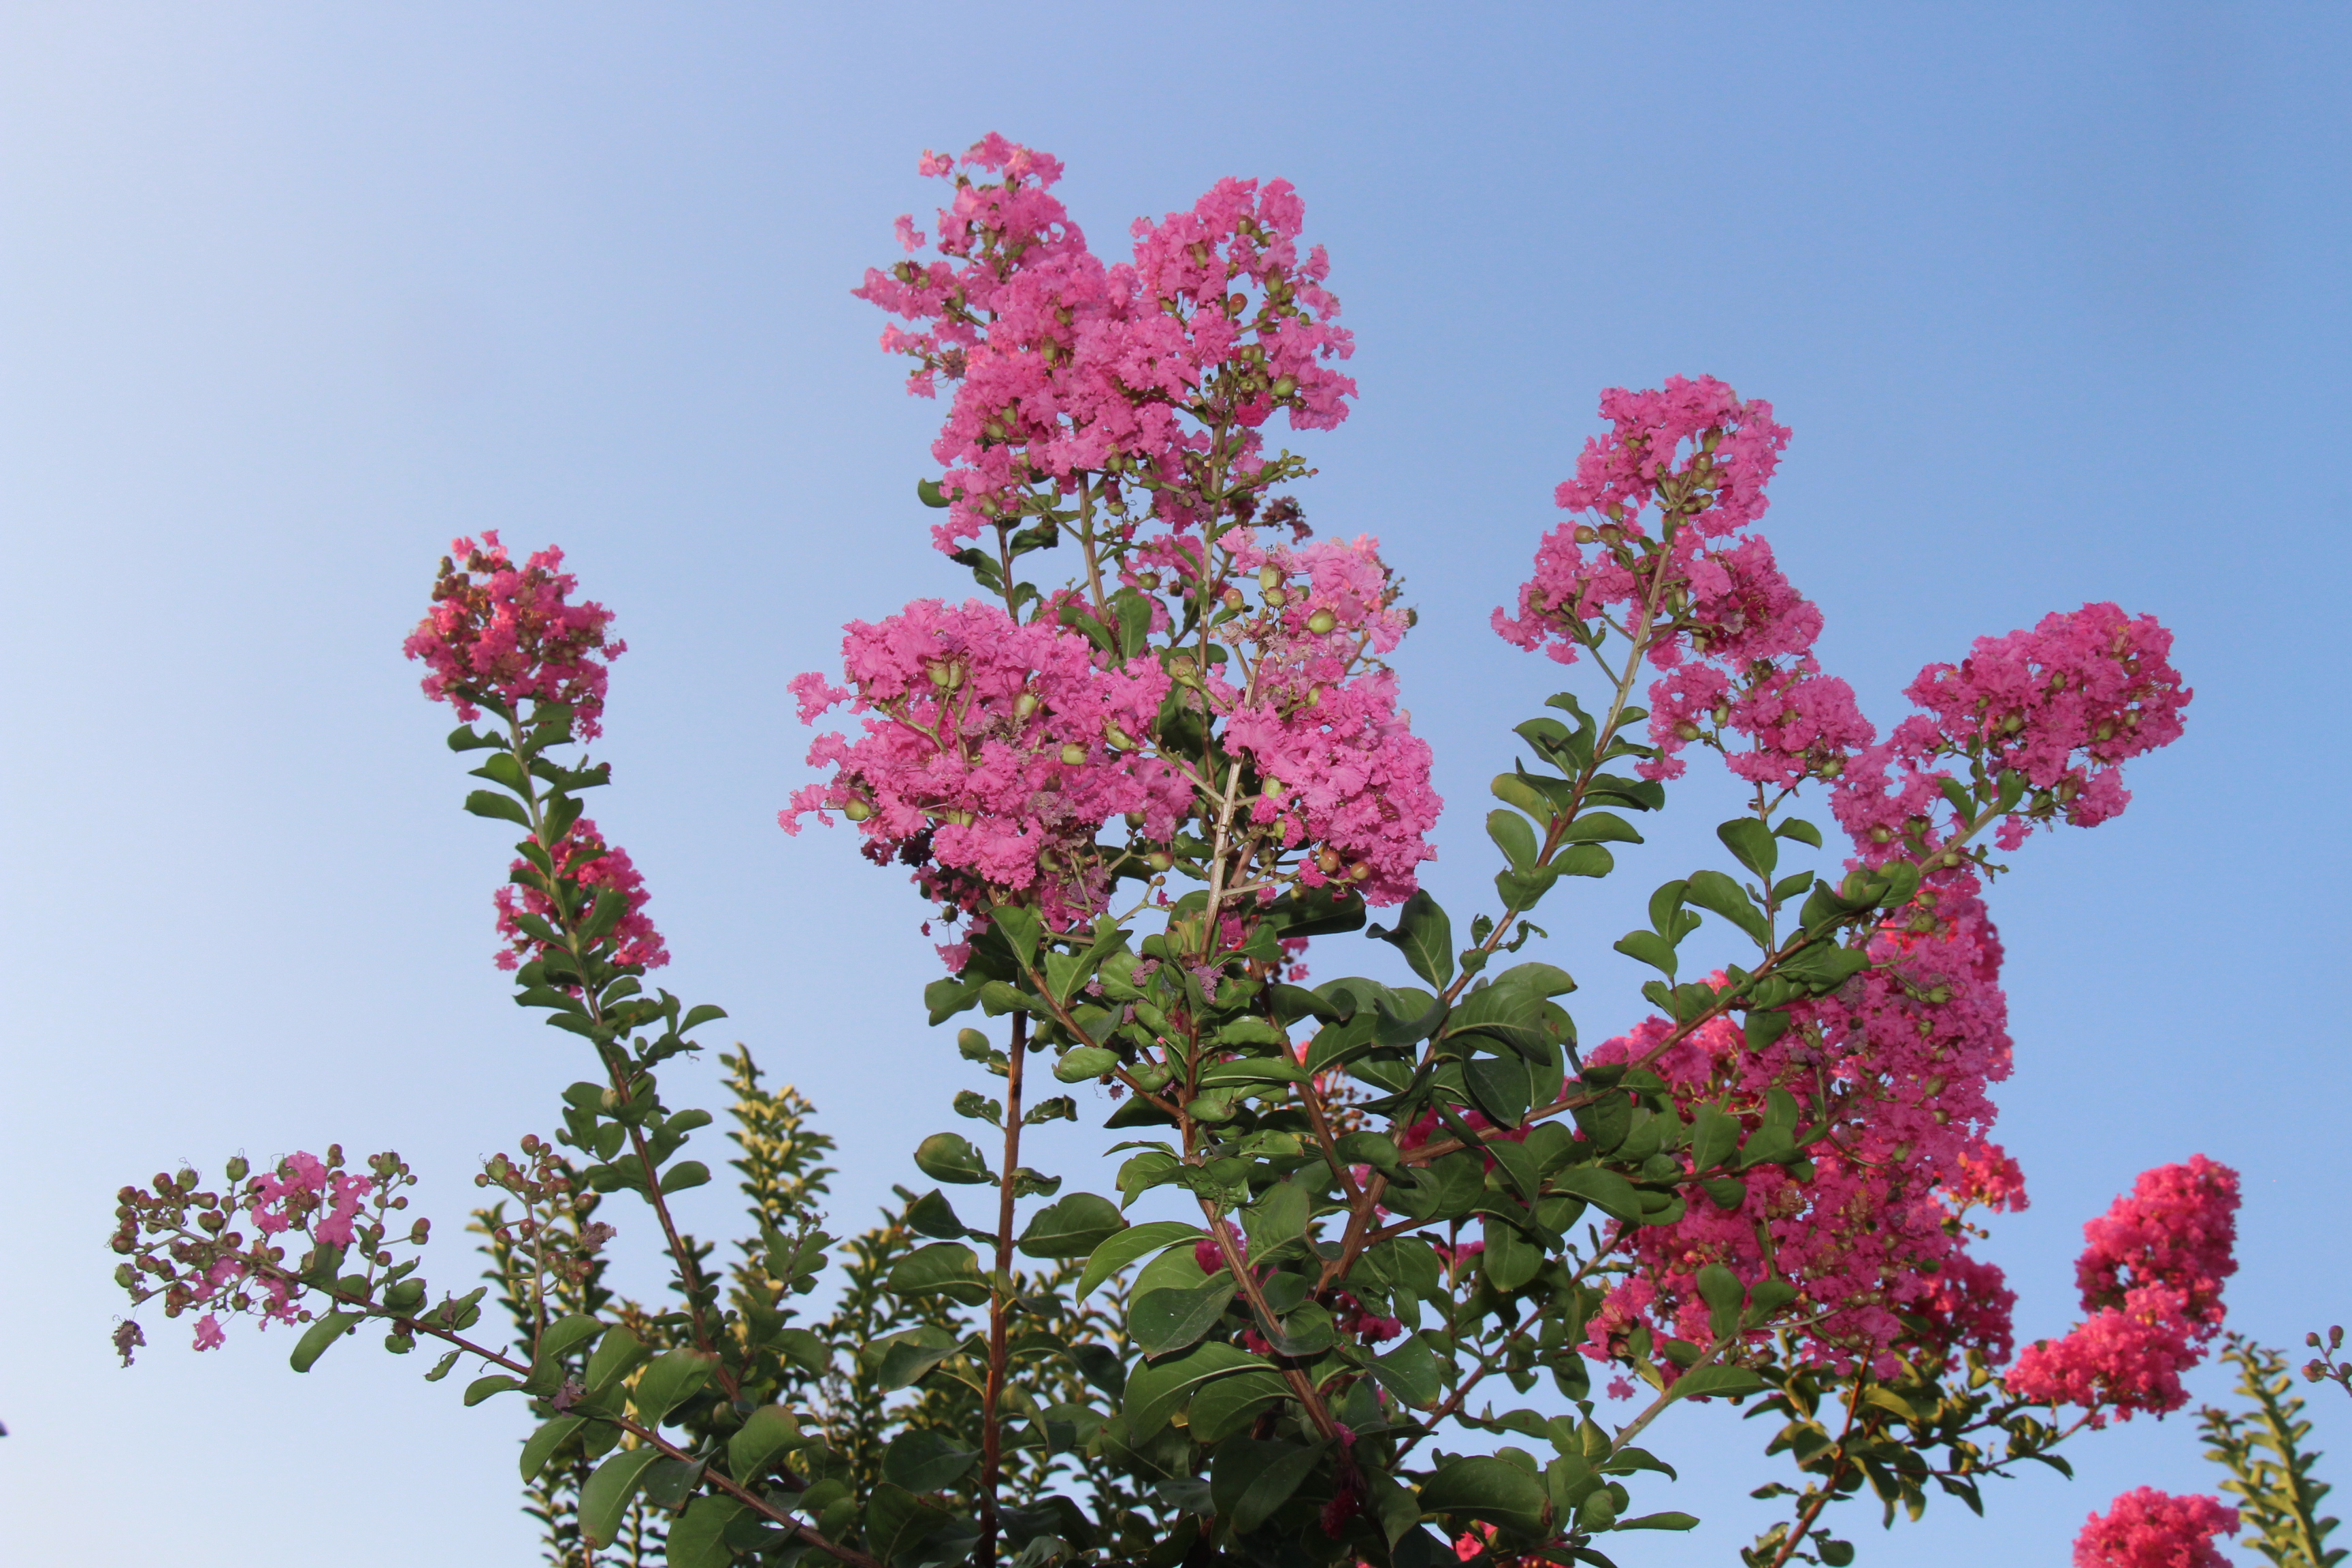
1882	835
611	1100
1135	819
1276	598
1832	768
1232	598
1327	861
1147	581
1688	731
2012	723
1722	713
238	1168
1585	533
1158	860
938	674
1272	789
1321	621
1284	387
1073	754
1119	738
1025	705
1183	669
1360	872
1269	576
857	809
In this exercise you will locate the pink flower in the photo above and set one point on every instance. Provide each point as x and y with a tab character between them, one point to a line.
992	755
2177	1228
499	633
583	854
2149	1529
2121	1359
209	1336
1064	366
1620	1388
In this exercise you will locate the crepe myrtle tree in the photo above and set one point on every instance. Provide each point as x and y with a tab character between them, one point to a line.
1441	1265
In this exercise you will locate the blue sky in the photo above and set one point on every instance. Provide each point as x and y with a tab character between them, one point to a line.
2052	297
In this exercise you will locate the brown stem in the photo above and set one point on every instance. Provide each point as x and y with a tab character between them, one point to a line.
1245	1280
1812	1508
1000	1301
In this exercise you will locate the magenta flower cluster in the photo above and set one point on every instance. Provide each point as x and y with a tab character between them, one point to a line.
1063	365
511	633
992	753
2151	1279
2146	1528
582	853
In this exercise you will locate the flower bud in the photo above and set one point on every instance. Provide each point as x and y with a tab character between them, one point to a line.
1327	860
1688	731
1272	789
1025	705
1722	713
1073	754
1585	533
1832	768
857	809
1185	670
1119	739
1360	872
610	1100
1269	576
2068	788
938	674
1158	860
1321	621
1284	386
1147	581
1276	598
1232	598
1135	819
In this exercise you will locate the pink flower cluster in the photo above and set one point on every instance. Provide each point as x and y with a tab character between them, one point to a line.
2149	1529
2151	1279
1895	1067
1065	366
500	632
581	854
302	1193
1348	780
2064	705
1713	611
993	754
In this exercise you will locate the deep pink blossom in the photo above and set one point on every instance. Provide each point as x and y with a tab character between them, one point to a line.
992	755
583	854
2149	1529
209	1336
1064	367
500	632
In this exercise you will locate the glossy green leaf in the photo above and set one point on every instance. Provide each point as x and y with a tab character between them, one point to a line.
950	1157
1130	1245
698	1538
617	1356
1607	1191
1725	1382
1713	890
1489	1488
669	1381
1157	1390
1425	935
1514	837
909	1355
923	1461
1230	1404
767	1431
1169	1320
481	1388
946	1268
1082	1063
1250	1479
605	1499
326	1331
1073	1227
542	1444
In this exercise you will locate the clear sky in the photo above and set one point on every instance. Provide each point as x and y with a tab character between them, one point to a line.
2053	297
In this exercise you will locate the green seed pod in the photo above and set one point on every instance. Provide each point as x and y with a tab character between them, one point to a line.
1269	576
1158	860
1276	598
1073	754
1025	705
1321	621
238	1168
857	810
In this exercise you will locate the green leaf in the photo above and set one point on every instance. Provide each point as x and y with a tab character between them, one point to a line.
698	1539
1128	1245
1713	890
768	1431
544	1442
1228	1405
672	1378
1249	1479
946	998
1798	830
1074	1226
1254	1069
1484	1487
1660	1521
1537	979
1022	929
1607	1191
685	1174
1081	1063
617	1356
502	808
946	1268
1276	1220
1720	1382
326	1331
1157	1390
1715	1138
1601	827
928	491
1170	1320
1751	842
1512	1257
950	1157
606	1496
1514	837
910	1354
481	1388
564	1335
1411	1372
1510	1014
1425	935
924	1461
1648	947
896	1520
